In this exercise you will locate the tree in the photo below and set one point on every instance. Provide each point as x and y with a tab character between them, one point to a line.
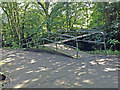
11	10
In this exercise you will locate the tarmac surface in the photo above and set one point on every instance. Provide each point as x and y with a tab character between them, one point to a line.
28	69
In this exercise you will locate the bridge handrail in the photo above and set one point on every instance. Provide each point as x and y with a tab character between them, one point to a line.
62	34
83	31
70	38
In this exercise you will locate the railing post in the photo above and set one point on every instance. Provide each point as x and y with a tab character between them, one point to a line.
76	45
37	41
56	42
26	44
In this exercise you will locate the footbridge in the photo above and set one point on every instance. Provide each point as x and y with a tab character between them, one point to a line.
57	40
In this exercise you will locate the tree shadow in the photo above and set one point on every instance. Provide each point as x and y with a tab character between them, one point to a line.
44	70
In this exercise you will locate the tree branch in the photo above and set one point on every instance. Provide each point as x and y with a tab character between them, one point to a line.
42	7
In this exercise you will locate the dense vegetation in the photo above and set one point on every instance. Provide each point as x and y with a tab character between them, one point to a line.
21	20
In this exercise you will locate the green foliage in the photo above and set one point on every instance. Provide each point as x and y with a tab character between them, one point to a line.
21	20
102	52
113	41
15	45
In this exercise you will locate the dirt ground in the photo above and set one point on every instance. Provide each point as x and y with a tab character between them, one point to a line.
44	70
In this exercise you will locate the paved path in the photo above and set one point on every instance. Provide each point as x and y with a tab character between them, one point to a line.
45	70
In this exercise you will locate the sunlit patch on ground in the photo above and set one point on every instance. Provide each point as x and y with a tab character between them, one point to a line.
32	61
59	82
35	79
20	68
88	81
8	60
36	69
29	72
26	81
42	69
19	86
77	84
93	62
81	73
110	69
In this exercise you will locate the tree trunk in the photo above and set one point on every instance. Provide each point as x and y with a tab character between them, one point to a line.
46	8
106	13
14	21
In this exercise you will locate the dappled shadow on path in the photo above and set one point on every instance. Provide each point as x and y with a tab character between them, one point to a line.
41	70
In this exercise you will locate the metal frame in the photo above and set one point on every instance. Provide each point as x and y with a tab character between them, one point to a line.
69	37
75	38
92	32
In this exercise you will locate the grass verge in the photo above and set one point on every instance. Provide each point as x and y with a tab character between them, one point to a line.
102	52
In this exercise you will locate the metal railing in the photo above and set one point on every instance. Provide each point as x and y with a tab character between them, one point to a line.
84	35
64	38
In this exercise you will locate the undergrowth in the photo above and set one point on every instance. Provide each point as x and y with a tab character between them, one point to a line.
108	52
